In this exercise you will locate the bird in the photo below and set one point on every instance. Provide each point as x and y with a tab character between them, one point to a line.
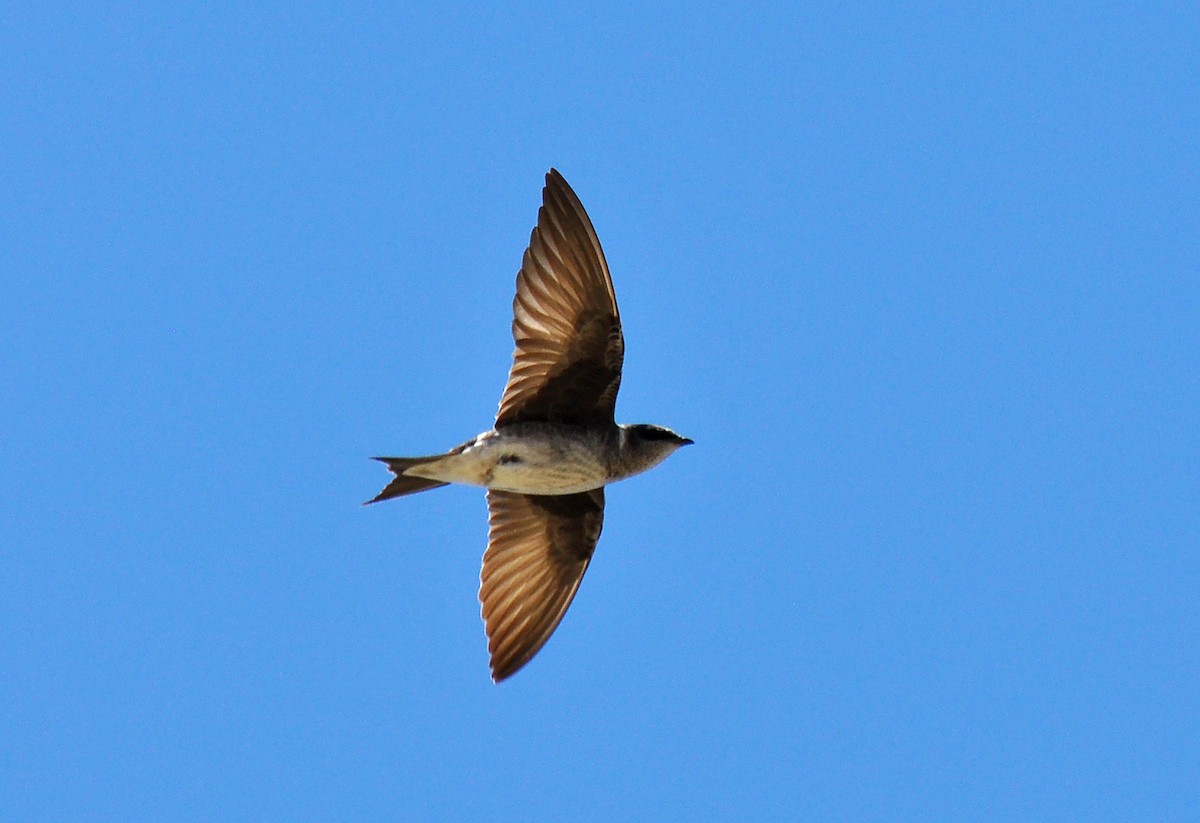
555	443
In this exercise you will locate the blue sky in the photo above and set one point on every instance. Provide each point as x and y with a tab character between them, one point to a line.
920	281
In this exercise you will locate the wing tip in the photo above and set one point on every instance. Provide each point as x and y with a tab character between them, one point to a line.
503	668
499	675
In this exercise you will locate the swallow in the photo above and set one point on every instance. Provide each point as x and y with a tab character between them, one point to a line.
555	444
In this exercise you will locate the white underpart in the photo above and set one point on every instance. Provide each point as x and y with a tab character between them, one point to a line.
528	465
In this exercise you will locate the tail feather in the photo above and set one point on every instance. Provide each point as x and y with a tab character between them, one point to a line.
403	484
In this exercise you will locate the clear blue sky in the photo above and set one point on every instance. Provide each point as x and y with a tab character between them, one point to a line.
921	283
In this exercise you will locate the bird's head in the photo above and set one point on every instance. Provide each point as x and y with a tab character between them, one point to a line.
649	445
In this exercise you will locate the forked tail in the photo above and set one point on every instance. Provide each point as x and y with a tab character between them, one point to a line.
404	484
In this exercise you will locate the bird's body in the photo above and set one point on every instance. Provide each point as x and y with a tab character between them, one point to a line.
529	458
541	458
555	444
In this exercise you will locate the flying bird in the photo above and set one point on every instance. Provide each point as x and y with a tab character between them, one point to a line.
555	444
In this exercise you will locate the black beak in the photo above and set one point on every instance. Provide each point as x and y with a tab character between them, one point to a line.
684	441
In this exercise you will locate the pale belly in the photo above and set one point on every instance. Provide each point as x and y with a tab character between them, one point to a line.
523	463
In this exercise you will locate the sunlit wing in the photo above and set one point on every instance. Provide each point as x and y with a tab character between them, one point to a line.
538	549
569	347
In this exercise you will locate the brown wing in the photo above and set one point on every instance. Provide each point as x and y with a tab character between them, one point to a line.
567	363
538	549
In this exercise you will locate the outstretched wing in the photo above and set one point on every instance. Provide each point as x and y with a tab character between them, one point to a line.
538	549
569	347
